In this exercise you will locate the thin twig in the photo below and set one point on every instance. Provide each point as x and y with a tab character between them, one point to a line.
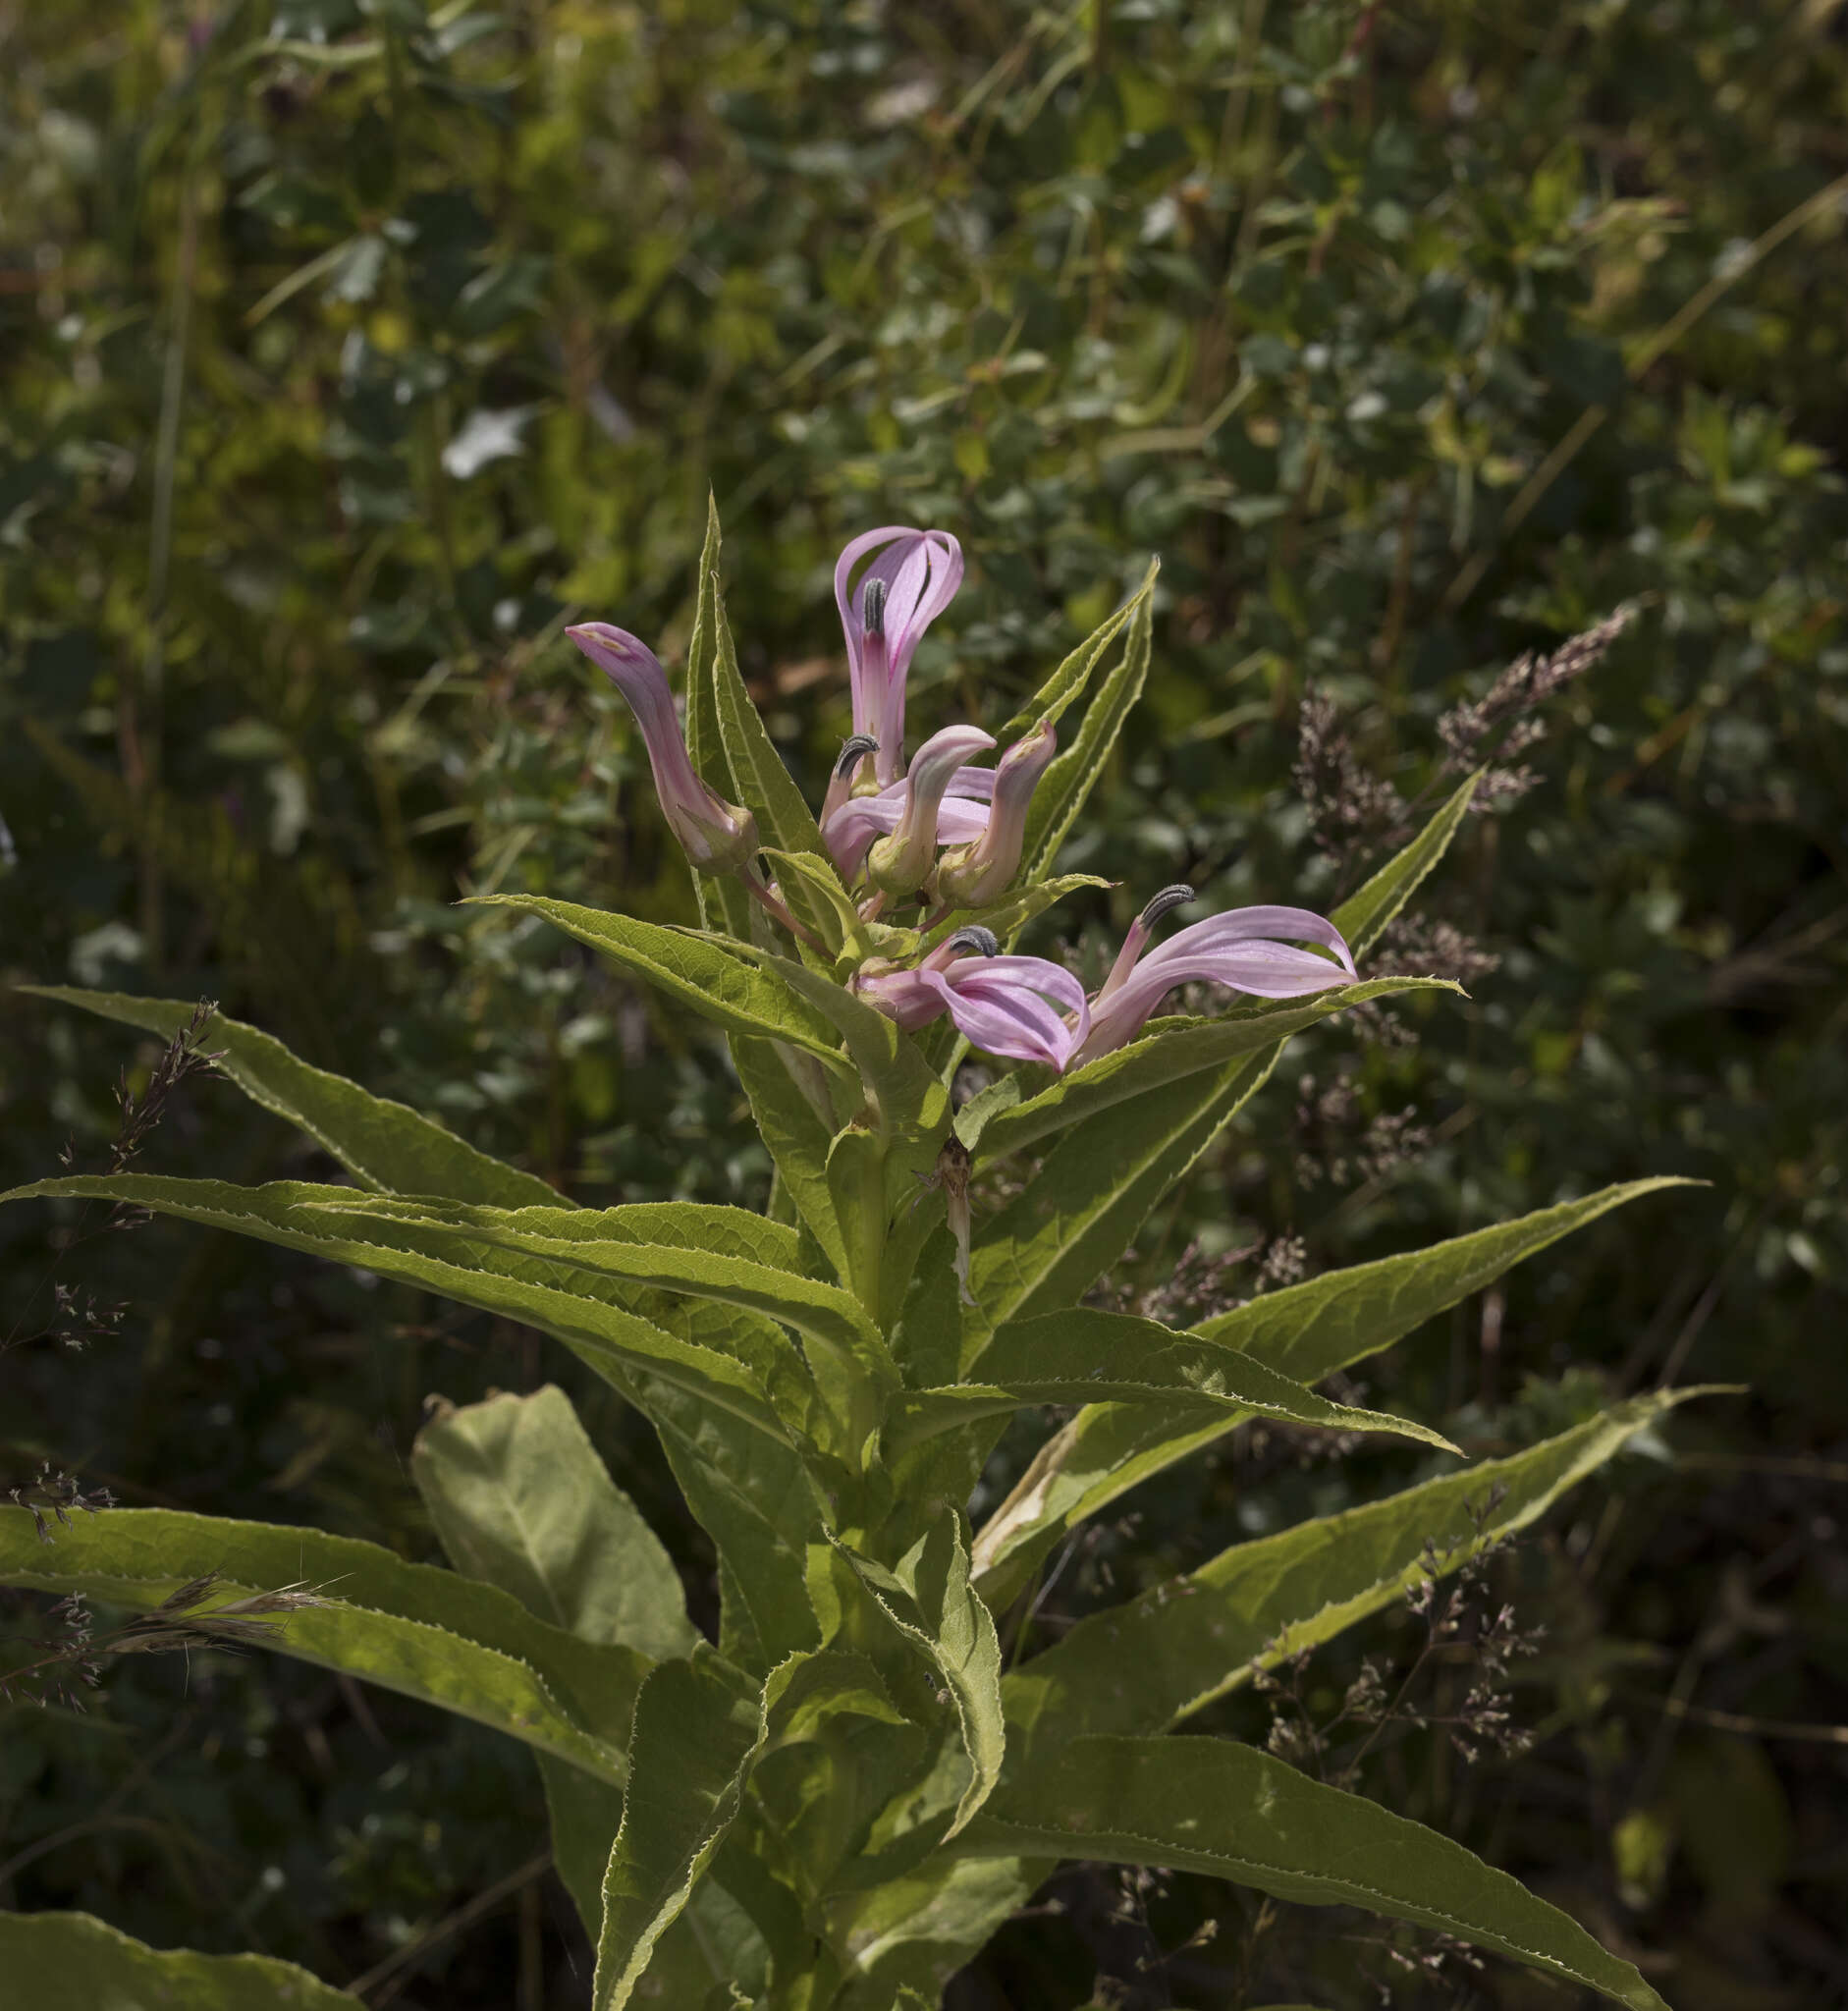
388	1971
90	1825
1752	1727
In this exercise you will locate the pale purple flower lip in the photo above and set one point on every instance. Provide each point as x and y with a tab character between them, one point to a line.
1020	1007
1253	950
1016	1006
715	835
910	577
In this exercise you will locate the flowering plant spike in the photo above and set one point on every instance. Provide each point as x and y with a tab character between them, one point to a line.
832	1805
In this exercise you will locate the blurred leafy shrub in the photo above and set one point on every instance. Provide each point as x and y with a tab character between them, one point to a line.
349	343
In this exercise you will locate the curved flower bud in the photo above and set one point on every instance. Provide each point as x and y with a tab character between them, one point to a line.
1249	950
973	875
846	771
1020	1007
900	864
716	836
911	578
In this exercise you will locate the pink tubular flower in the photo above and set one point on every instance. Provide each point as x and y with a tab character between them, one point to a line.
1020	1007
912	577
1247	949
901	862
716	836
972	875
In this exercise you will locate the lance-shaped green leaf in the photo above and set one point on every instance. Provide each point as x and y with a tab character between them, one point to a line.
384	1144
1084	1356
753	1495
1311	1330
907	1938
704	743
927	1597
1000	1124
856	1193
798	1138
1006	918
1074	1218
838	1750
1306	1330
75	1962
442	1230
583	1814
522	1502
722	902
569	1240
708	1226
296	1215
1068	683
1194	1638
760	1505
829	907
834	1395
701	1731
712	1942
719	980
733	751
430	1634
1363	916
697	1731
1214	1806
762	780
1069	781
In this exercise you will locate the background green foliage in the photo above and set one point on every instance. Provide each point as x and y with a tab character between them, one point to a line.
349	347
